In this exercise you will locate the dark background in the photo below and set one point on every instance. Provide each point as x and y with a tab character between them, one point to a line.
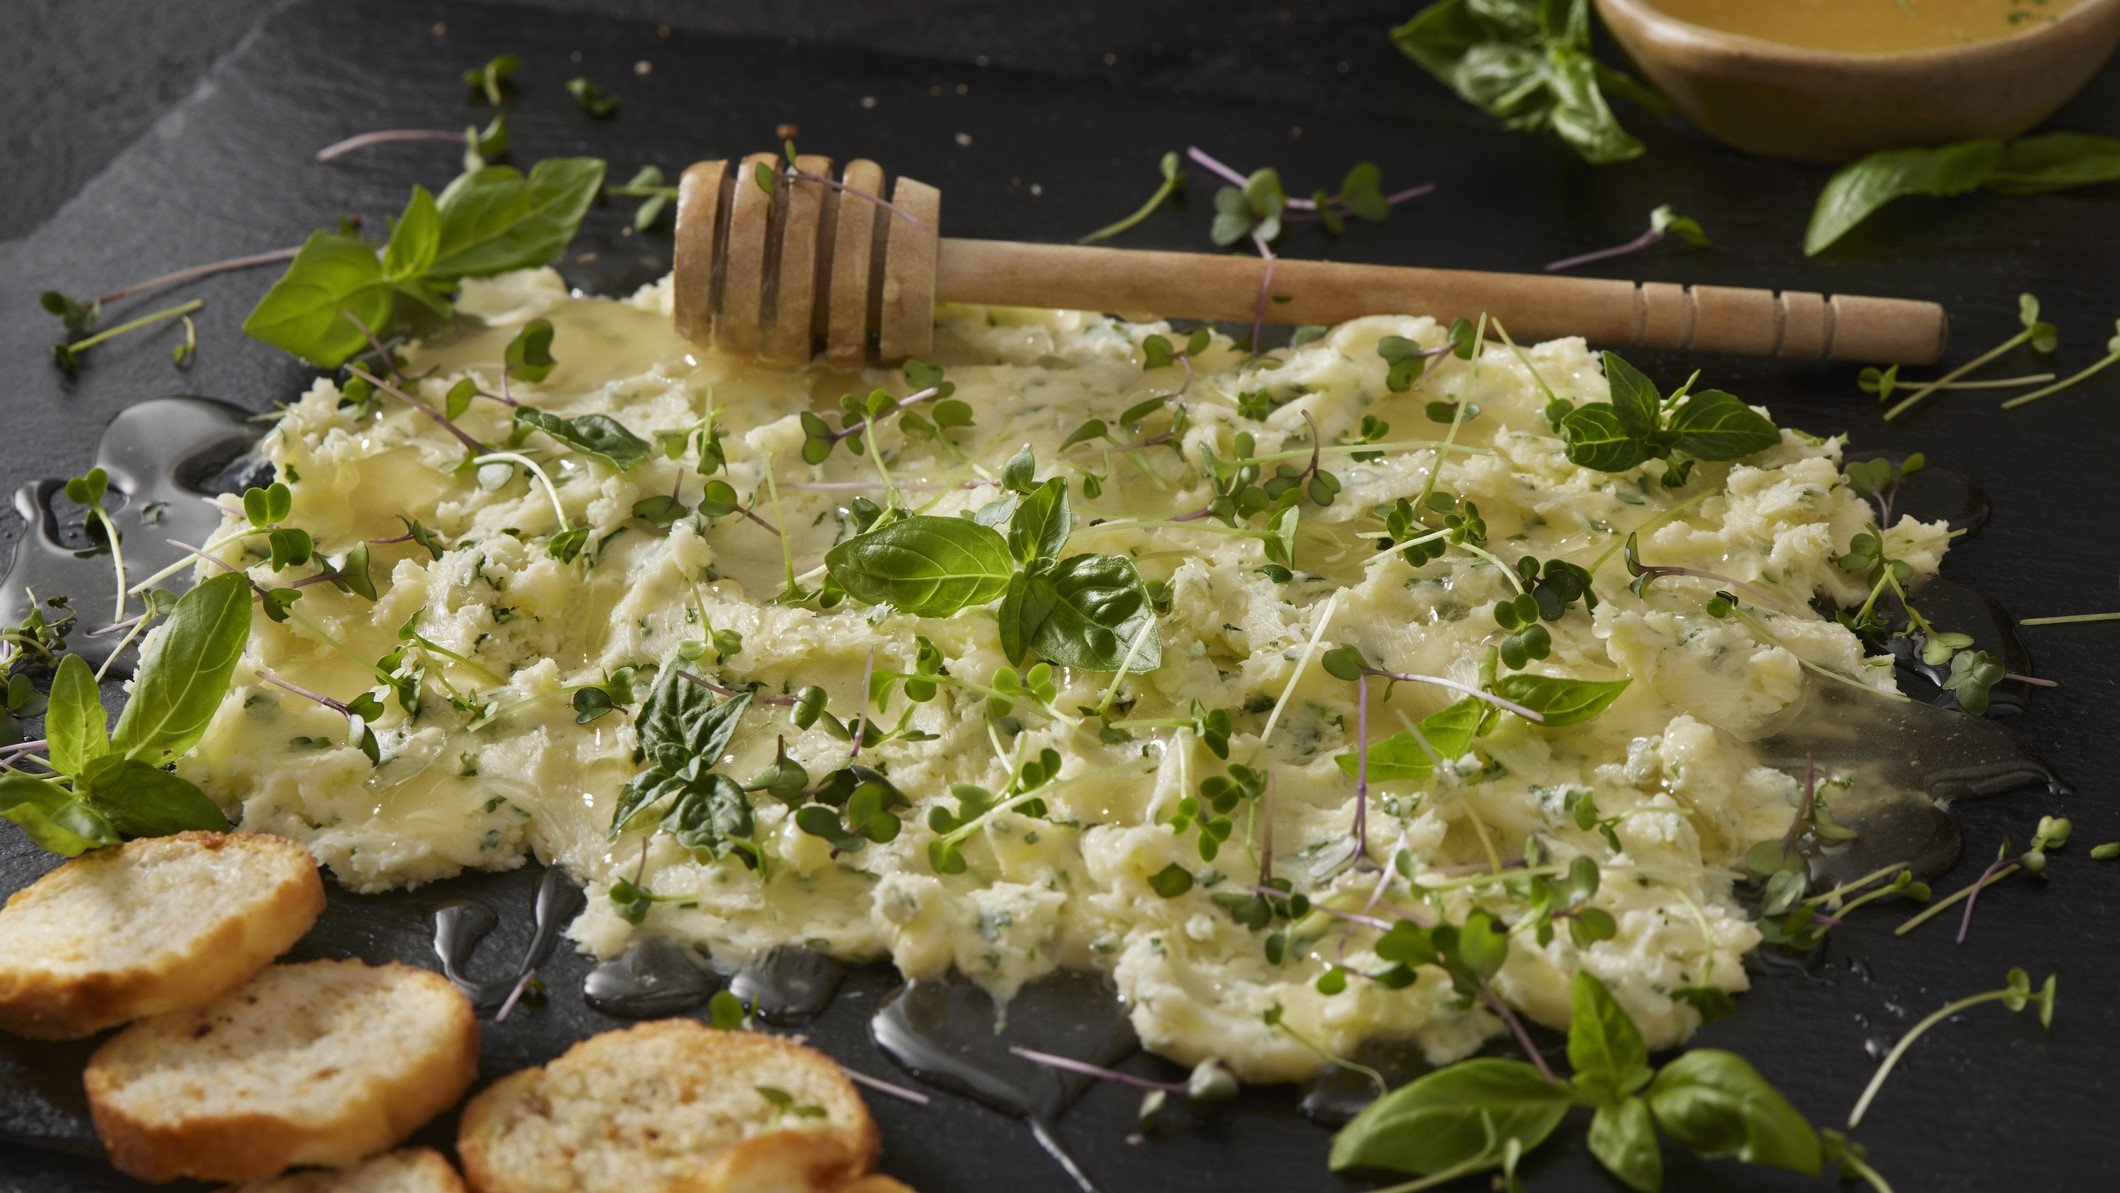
131	152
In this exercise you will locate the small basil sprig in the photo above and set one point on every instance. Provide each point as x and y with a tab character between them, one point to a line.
1092	612
339	288
1528	64
109	785
1641	424
2046	162
1483	1114
683	729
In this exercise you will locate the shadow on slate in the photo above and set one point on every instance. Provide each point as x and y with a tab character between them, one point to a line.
1049	156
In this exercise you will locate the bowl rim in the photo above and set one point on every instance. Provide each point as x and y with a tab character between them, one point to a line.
1678	30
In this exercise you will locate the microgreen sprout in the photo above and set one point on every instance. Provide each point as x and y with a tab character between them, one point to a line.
2052	833
67	353
481	145
655	196
1209	1081
2043	338
769	179
490	80
2016	995
1662	222
360	714
594	101
88	490
1347	662
1886	381
1644	574
1173	182
2111	357
437	417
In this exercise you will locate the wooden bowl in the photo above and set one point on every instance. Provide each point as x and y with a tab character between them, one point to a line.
1811	105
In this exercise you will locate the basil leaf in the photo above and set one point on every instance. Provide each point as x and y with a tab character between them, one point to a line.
1042	523
74	721
923	565
413	239
1025	605
1436	1122
529	354
1528	64
184	675
1623	1138
493	219
596	435
1099	607
646	789
2055	161
1604	1046
1597	437
146	801
712	817
682	721
1560	700
1857	190
1635	398
304	312
1717	1104
1448	732
52	817
1713	425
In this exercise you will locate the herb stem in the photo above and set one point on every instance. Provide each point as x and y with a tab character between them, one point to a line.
198	271
1925	390
436	416
2064	383
385	137
1891	1058
181	309
1162	193
336	706
1648	524
1071	1065
1516	1028
1288	690
551	492
1619	250
2070	619
1528	714
1995	873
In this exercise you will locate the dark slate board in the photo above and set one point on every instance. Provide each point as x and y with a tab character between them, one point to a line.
1988	1100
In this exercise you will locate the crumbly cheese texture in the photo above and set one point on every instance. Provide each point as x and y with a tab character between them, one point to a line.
1669	764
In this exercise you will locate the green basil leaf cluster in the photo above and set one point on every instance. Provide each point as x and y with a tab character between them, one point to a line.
489	220
683	727
1085	611
109	784
2029	165
1528	64
1480	1114
1640	424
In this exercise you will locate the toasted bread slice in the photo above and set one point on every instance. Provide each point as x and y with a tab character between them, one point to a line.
325	1063
412	1170
669	1107
153	925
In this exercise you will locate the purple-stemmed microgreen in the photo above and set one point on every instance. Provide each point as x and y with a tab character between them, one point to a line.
769	180
2051	833
2043	338
1646	573
481	145
1662	222
2016	995
2111	358
359	714
884	1087
1209	1081
437	417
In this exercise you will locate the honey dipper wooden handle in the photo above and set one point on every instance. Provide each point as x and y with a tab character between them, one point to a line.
1750	322
783	260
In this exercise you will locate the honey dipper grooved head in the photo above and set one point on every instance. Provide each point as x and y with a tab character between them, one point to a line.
784	262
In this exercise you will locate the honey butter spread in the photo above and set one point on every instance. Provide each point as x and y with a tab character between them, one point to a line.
1050	656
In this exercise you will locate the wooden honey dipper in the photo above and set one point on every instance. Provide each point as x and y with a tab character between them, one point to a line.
820	266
